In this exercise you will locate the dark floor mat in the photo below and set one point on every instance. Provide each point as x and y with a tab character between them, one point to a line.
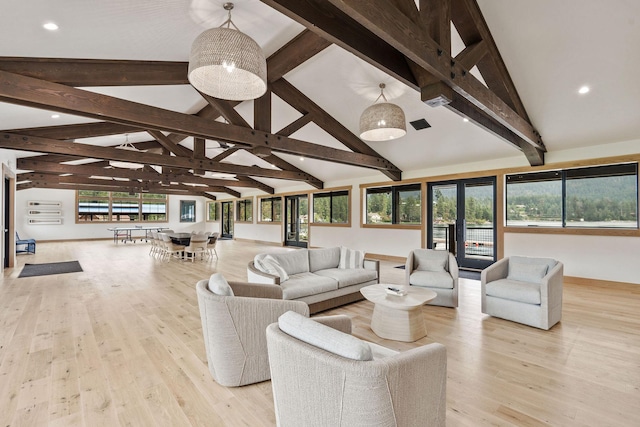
31	270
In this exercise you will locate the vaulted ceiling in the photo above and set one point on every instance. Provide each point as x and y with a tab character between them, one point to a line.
116	72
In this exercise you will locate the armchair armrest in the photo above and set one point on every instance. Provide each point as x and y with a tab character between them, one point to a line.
496	271
551	285
256	276
453	267
256	290
339	322
372	264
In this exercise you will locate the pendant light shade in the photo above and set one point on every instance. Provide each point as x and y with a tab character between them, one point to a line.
227	64
382	121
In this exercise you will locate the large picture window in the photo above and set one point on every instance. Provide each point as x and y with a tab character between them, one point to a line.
331	207
591	197
245	210
394	205
105	206
270	209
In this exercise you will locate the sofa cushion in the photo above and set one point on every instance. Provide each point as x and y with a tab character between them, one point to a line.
431	279
430	260
321	259
528	269
514	290
324	337
219	286
349	276
304	284
270	265
293	262
350	258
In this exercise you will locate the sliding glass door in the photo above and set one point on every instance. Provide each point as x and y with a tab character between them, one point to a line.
462	220
297	221
227	219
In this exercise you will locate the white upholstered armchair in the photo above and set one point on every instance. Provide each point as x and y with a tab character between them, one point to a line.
324	377
234	318
524	290
436	271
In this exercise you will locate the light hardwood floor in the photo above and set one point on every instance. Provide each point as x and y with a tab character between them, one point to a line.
120	344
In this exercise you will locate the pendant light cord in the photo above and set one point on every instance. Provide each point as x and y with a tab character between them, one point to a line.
382	86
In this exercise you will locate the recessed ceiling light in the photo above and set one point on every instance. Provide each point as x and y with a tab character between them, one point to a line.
55	116
51	26
465	120
302	159
583	90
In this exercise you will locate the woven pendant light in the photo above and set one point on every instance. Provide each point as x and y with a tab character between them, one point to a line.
227	64
382	121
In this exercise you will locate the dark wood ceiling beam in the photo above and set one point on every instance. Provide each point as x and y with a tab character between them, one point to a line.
284	165
472	54
164	141
304	46
330	23
472	27
391	25
43	145
117	184
131	189
226	153
324	120
98	72
435	16
262	112
72	132
37	93
462	106
147	174
250	182
296	125
225	109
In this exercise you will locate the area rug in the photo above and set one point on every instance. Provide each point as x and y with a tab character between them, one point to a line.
31	270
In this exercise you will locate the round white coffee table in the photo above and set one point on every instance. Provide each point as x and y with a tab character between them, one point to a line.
395	317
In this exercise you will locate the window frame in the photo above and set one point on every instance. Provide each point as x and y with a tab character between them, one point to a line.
216	211
564	176
109	199
271	199
394	191
244	202
331	194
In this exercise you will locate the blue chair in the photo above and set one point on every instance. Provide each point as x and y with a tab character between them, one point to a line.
28	245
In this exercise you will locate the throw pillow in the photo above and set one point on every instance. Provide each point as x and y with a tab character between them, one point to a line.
324	337
430	260
350	258
525	272
219	286
272	266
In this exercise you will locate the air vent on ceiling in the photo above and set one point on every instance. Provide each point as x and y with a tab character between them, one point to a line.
420	124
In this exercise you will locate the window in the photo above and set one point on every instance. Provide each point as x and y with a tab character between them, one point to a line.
212	211
187	211
534	199
331	207
592	197
245	210
394	205
105	206
271	209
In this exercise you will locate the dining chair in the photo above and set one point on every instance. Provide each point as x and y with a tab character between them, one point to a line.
172	249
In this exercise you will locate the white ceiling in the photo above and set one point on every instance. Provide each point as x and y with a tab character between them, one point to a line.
551	48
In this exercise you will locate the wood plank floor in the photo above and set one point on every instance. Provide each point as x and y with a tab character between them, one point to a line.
120	344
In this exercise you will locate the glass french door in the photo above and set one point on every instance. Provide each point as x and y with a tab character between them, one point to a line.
296	221
462	220
227	219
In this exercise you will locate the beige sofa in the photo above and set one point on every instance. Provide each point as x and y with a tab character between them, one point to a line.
323	377
314	276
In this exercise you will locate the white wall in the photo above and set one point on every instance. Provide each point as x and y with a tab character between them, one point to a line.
70	230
